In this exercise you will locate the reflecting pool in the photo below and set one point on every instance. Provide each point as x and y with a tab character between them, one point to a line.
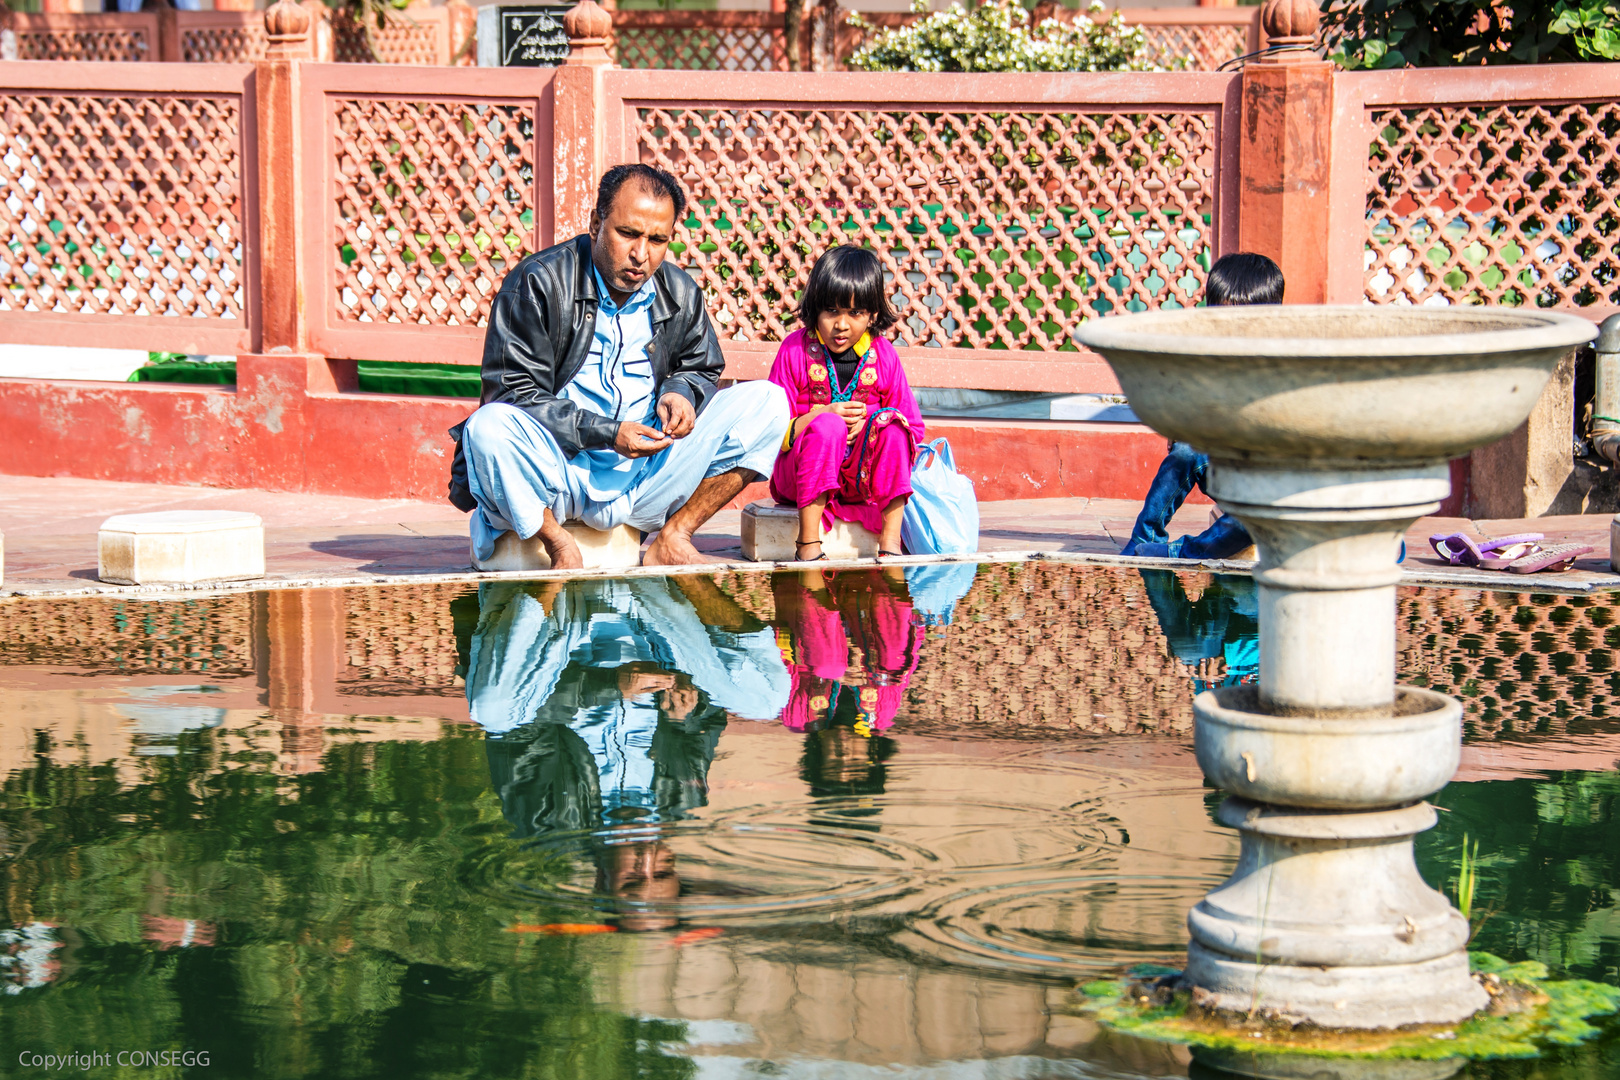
873	823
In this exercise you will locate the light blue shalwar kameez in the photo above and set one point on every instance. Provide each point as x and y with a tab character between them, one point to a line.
519	653
516	470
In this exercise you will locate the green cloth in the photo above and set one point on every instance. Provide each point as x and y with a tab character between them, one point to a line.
376	376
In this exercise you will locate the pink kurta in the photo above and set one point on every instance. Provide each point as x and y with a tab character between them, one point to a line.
809	468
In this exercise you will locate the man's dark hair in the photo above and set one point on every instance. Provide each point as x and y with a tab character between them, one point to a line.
657	181
847	276
1241	279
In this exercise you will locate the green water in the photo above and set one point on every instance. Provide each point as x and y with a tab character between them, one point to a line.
855	827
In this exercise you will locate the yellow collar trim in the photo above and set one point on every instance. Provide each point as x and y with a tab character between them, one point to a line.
862	346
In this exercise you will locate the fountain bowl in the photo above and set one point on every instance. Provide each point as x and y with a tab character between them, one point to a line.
1364	762
1322	385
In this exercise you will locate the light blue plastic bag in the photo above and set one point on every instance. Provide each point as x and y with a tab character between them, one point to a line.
936	588
942	516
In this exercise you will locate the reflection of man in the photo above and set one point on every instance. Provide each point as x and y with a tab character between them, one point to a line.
1216	634
604	701
600	402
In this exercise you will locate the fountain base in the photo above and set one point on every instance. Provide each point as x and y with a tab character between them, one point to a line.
1326	920
1439	991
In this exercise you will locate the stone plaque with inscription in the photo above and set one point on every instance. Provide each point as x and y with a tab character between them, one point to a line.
528	36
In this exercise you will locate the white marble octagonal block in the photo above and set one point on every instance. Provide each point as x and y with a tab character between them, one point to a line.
618	548
181	547
768	533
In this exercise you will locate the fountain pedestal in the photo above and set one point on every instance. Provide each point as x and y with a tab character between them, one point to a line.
1329	431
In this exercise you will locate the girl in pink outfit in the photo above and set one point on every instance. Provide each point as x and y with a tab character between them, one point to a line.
847	455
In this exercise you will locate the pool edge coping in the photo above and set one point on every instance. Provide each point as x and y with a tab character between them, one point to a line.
1460	577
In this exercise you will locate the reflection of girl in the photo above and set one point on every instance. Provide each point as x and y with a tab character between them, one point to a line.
818	615
839	760
848	451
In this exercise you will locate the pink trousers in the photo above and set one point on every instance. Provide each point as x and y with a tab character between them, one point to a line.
809	470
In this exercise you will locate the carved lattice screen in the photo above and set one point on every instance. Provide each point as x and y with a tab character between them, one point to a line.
1498	204
999	229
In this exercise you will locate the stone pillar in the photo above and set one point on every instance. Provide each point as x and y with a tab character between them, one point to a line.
463	33
1285	152
577	119
1523	475
282	302
169	44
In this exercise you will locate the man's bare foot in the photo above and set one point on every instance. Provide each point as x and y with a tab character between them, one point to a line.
673	548
560	546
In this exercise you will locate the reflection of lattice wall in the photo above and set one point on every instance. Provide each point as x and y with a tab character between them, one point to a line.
100	45
1520	662
1034	650
998	231
435	201
399	641
205	637
121	205
1039	649
223	44
1499	204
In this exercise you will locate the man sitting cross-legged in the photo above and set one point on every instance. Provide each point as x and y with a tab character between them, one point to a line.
600	400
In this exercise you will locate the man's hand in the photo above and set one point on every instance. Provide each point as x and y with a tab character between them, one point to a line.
852	413
677	415
638	440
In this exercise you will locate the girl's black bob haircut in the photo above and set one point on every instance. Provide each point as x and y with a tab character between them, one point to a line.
847	276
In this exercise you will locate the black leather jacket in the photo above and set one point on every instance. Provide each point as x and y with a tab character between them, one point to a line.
540	331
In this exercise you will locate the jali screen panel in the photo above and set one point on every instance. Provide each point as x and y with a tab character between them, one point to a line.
126	203
1001	226
1502	204
421	204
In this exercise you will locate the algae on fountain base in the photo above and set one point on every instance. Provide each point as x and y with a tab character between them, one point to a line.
1527	1014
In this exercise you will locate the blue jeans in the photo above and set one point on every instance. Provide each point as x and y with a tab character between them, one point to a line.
1182	470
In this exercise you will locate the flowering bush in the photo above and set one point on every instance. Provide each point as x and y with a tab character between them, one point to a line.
996	36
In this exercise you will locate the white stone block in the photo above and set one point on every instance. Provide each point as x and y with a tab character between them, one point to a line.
769	532
615	549
181	546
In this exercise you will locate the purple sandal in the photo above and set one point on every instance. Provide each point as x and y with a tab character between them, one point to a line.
1552	559
1459	549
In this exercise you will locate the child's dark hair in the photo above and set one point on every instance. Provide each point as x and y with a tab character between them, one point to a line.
847	276
1242	279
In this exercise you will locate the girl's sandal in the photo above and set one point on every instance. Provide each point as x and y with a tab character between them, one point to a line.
799	544
890	554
